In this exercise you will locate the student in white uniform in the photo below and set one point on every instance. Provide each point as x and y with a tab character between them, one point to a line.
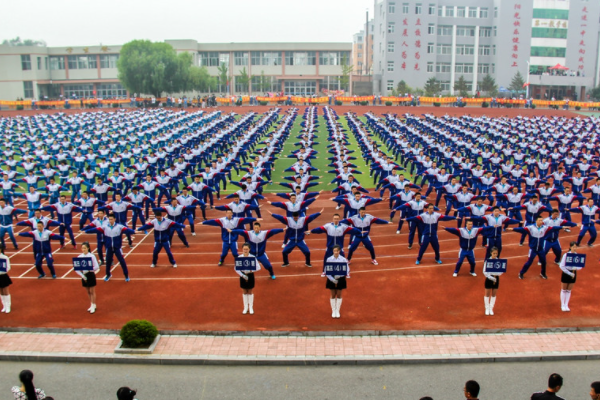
567	279
336	283
492	282
88	279
247	281
5	282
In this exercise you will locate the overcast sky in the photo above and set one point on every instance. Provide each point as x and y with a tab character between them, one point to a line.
112	22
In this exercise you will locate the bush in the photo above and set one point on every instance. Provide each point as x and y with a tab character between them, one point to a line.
20	107
462	104
485	104
364	103
338	103
436	104
263	103
533	106
115	105
578	108
388	103
138	333
508	105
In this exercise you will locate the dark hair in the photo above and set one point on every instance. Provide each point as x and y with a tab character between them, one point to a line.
337	246
555	380
256	223
554	210
494	249
26	378
112	215
124	393
422	398
246	245
86	244
472	387
596	386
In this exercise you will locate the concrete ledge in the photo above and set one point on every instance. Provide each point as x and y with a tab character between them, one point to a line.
126	350
287	361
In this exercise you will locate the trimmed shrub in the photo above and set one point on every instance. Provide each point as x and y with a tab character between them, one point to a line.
578	108
533	106
364	103
436	104
20	107
263	103
338	103
388	103
485	104
115	105
138	333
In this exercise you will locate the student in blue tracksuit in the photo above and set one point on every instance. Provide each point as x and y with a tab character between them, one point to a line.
162	237
538	233
6	216
34	200
113	240
41	247
363	222
100	221
588	211
295	233
65	217
335	232
138	199
227	224
257	240
467	237
499	222
552	242
429	220
87	205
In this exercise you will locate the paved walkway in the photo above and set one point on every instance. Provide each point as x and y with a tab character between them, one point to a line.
199	349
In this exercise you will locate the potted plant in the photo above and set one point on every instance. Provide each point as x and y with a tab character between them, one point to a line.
138	336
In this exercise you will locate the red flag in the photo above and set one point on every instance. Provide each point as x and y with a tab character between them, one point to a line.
526	84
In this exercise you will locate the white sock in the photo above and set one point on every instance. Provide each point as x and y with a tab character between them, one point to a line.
486	301
562	298
567	298
338	305
333	304
492	302
245	297
3	298
9	301
250	301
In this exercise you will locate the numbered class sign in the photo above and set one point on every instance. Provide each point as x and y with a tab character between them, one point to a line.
245	264
83	264
3	265
497	266
574	261
336	268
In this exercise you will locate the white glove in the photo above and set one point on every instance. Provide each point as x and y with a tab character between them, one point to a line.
335	281
245	277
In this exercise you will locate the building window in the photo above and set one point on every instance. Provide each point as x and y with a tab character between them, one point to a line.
39	62
445	85
440	11
302	57
484	50
46	63
390	47
493	68
390	85
494	49
431	29
109	60
444	30
108	90
550	13
208	59
472	12
550	33
391	27
72	60
485	32
538	51
495	12
360	46
333	57
483	12
265	84
449	11
301	88
463	68
28	89
430	66
483	68
359	56
391	7
25	62
443	67
79	90
57	63
86	62
468	31
429	48
444	49
418	9
240	58
465	49
495	31
432	9
390	66
405	8
461	12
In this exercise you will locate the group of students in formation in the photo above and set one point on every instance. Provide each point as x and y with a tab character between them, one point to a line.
174	163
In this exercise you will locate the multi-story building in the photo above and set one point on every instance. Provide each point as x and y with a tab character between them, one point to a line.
292	68
415	40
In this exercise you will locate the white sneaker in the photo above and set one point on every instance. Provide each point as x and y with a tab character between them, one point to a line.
174	265
245	310
337	314
153	266
338	207
473	274
4	309
491	311
251	310
7	311
193	233
333	314
455	274
562	308
374	262
487	311
92	310
566	309
283	246
397	232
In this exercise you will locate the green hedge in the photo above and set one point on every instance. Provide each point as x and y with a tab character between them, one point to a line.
485	104
138	333
436	104
388	103
263	103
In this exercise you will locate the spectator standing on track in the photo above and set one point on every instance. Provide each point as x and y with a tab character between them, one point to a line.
88	279
555	382
247	281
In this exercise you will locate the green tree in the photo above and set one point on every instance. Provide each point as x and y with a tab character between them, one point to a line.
461	87
403	88
516	85
346	71
595	93
19	42
153	68
201	81
243	79
223	77
488	85
432	87
265	82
